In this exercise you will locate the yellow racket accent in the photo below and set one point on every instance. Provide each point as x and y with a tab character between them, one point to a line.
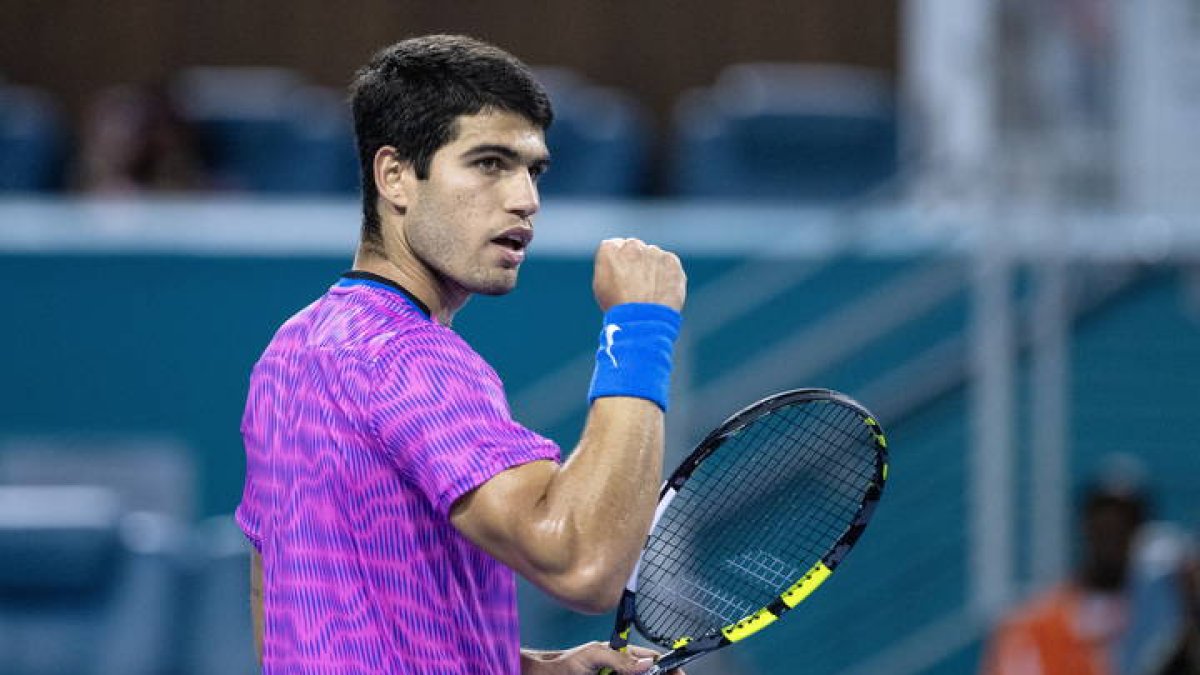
807	584
791	597
749	625
681	642
879	438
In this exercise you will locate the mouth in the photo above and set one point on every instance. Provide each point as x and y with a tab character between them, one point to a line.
515	239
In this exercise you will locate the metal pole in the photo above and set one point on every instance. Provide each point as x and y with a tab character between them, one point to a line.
990	486
951	85
1050	522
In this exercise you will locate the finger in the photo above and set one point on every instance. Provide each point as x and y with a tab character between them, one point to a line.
602	656
642	652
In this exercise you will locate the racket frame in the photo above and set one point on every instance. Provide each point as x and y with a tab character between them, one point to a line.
686	649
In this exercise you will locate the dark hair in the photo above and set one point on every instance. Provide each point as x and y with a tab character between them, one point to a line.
410	94
1130	499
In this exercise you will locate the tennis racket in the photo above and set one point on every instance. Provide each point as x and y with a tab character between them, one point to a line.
760	515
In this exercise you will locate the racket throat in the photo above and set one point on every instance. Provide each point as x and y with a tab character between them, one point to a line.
625	612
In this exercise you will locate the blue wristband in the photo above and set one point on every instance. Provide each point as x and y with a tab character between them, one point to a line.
634	357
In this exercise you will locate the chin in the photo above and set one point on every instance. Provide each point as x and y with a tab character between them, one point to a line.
496	286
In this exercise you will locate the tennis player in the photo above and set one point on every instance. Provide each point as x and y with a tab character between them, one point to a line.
389	494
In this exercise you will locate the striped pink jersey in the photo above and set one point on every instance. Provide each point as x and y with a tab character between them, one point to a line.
365	422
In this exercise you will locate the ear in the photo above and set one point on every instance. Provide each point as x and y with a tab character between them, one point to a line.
392	178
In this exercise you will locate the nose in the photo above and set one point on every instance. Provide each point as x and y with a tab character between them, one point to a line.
522	198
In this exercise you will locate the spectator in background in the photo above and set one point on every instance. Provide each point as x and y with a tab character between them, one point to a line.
134	141
1088	625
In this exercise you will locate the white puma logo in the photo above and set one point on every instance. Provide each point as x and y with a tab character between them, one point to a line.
610	330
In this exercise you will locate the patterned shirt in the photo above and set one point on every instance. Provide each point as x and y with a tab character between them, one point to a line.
365	422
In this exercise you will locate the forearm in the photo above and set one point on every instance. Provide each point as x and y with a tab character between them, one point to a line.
608	488
533	661
588	658
606	491
575	530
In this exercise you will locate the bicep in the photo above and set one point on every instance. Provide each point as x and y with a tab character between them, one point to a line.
508	517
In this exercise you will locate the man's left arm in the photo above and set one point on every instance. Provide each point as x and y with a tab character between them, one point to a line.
256	602
588	659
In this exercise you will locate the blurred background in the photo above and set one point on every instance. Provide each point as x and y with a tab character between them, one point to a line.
978	217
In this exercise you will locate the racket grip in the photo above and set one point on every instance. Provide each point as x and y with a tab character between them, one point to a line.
620	636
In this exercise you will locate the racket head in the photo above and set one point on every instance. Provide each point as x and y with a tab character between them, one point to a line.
755	519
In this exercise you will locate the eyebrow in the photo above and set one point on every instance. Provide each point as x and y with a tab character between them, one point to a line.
506	152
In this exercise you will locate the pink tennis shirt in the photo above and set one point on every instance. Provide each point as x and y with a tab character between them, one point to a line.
365	422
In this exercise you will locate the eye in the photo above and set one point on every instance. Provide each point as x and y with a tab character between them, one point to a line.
490	164
536	171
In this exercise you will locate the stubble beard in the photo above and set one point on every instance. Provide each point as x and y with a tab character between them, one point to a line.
456	272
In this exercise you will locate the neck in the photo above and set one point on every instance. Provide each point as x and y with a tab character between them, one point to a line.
427	285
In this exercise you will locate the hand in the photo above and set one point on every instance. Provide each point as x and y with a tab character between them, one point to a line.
629	270
588	659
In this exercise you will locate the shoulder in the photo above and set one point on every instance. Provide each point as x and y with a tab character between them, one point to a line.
431	368
355	322
430	347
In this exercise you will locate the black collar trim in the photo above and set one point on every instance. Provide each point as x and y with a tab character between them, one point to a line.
363	275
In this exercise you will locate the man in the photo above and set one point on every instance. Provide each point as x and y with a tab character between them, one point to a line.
389	495
1074	629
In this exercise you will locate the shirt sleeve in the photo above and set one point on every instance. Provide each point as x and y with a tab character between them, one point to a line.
441	415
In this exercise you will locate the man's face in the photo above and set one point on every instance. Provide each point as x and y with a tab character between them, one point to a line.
472	219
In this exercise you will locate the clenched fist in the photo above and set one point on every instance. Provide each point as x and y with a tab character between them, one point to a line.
629	270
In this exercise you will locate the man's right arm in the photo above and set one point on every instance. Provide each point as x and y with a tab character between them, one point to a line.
576	530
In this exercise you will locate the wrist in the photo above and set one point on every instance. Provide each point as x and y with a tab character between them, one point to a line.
635	352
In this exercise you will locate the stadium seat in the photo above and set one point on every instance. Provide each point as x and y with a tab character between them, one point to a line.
598	141
265	130
786	131
146	472
32	141
85	588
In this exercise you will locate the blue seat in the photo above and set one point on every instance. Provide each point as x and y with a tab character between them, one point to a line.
265	130
147	472
598	140
786	131
32	141
85	588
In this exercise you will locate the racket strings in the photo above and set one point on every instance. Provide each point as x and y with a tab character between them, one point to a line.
770	502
